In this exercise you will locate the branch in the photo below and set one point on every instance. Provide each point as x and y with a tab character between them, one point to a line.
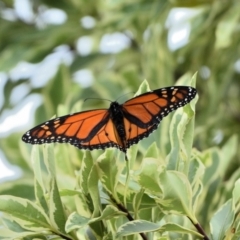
129	216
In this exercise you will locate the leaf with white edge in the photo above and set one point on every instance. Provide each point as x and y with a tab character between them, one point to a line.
49	161
236	193
211	158
181	133
109	236
108	213
56	211
227	153
40	196
172	227
132	156
144	87
139	226
177	194
222	220
86	166
12	225
6	234
26	213
137	200
37	166
149	176
81	203
93	190
196	168
76	221
227	24
109	170
188	135
152	151
195	173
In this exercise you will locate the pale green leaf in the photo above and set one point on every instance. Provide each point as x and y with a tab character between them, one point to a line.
108	213
109	170
48	152
40	196
177	194
226	28
236	192
149	175
139	226
86	166
37	166
93	190
56	211
26	213
182	133
222	220
144	87
75	221
152	151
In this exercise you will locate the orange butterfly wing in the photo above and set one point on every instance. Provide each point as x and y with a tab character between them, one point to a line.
143	113
119	126
87	130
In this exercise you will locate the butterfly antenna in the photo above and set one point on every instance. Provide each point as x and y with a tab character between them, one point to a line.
124	95
97	99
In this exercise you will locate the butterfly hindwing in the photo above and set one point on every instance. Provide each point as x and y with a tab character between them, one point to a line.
106	136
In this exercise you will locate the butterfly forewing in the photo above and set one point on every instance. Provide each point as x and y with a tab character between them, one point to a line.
148	109
150	106
69	128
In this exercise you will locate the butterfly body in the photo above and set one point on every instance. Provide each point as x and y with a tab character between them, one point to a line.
121	126
117	117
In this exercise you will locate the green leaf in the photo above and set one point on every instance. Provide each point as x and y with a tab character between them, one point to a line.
227	25
76	221
48	152
172	227
227	153
40	196
93	190
108	213
177	194
181	134
86	167
37	166
109	170
236	193
57	215
137	200
152	151
222	220
13	225
149	175
26	213
139	226
211	159
144	87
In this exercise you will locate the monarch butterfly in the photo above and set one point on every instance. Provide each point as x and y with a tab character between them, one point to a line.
119	126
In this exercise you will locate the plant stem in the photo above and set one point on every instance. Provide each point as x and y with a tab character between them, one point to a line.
129	216
200	230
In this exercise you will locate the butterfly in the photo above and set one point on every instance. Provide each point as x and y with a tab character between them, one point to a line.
120	126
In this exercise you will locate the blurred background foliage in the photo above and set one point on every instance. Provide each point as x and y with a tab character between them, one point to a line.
212	49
